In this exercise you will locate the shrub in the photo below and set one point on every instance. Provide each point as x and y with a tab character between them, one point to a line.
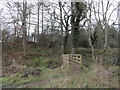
37	62
52	63
44	63
83	51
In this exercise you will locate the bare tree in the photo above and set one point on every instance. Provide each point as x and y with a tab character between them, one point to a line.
64	24
29	12
103	19
13	8
61	26
24	16
38	20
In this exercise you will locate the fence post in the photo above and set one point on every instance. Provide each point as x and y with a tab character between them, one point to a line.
73	57
67	61
64	61
81	60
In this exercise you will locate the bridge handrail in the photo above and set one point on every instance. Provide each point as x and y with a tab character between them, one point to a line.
73	57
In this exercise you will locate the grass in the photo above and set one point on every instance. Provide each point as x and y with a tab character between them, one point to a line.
34	63
15	80
6	81
84	79
48	73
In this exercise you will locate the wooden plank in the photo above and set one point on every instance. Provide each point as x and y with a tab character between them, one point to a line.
75	61
72	57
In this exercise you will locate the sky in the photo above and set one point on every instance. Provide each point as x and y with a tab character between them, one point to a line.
114	4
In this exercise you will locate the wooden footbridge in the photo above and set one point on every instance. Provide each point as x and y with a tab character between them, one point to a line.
73	60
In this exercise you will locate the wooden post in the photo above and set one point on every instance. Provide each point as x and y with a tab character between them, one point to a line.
81	59
73	57
63	58
67	60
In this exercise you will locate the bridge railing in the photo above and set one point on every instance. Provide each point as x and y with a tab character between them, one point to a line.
77	58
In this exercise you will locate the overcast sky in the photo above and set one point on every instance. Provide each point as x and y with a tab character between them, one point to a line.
114	4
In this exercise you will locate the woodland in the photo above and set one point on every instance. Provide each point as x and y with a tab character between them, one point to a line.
35	34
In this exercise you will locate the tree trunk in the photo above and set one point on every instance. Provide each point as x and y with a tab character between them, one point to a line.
38	22
42	26
42	18
15	30
75	20
29	28
24	27
61	26
90	41
72	27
